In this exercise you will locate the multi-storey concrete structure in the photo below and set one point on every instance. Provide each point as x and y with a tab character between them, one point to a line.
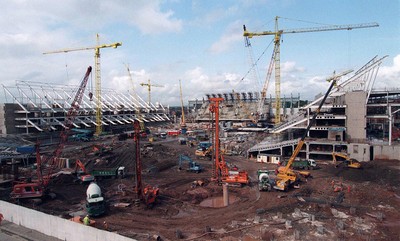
346	123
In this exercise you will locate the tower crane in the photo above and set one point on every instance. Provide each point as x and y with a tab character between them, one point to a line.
277	33
38	188
183	123
141	122
97	74
149	88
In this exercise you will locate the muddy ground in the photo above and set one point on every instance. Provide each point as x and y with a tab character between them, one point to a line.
366	208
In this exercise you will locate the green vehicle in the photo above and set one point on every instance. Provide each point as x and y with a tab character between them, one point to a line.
113	172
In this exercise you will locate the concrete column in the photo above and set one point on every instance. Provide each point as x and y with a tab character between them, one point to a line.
225	194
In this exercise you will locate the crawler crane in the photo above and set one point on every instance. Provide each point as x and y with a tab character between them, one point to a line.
285	176
221	174
45	166
147	194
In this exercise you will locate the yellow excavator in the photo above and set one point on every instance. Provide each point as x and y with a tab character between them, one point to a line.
348	162
286	177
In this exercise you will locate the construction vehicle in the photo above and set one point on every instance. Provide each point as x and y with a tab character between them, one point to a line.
275	60
265	179
145	193
81	172
286	177
348	162
302	164
95	203
82	134
38	188
204	152
193	166
109	172
221	174
101	149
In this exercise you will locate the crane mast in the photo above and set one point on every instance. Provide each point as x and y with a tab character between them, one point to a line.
283	174
97	74
141	122
183	123
149	88
277	33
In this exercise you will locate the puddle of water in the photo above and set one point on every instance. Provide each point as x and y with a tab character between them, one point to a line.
217	202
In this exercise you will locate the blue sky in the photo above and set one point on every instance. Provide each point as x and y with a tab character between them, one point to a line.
199	42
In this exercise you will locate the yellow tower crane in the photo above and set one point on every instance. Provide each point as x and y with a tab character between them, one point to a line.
134	93
149	88
277	34
97	75
183	122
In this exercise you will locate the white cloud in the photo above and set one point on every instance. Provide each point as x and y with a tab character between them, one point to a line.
233	34
389	76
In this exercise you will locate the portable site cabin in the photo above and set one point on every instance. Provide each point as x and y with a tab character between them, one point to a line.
268	158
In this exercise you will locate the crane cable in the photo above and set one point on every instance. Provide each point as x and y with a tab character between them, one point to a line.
255	63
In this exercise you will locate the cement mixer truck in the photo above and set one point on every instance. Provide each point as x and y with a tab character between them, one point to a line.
95	204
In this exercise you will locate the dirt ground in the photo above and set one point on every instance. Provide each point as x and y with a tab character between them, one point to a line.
367	208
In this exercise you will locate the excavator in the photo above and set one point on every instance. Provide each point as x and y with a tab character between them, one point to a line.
348	162
81	172
221	174
204	152
145	193
37	188
286	177
193	166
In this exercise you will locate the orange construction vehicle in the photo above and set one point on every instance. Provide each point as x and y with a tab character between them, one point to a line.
81	172
37	188
221	173
147	194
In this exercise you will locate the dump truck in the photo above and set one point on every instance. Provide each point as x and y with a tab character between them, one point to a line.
112	172
265	179
302	164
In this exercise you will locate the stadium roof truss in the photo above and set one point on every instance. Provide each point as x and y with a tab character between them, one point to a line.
44	107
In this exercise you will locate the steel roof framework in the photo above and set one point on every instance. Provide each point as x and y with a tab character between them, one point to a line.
44	107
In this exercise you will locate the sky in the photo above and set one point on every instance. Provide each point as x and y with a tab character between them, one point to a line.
199	42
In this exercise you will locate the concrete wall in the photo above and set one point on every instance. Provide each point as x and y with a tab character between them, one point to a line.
54	226
355	114
359	151
7	118
2	120
387	152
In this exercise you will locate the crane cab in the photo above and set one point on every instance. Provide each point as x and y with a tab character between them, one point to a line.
27	190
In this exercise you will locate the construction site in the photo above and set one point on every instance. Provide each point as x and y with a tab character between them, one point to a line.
234	166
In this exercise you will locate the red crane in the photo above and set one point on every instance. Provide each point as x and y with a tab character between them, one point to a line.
45	167
148	194
221	173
